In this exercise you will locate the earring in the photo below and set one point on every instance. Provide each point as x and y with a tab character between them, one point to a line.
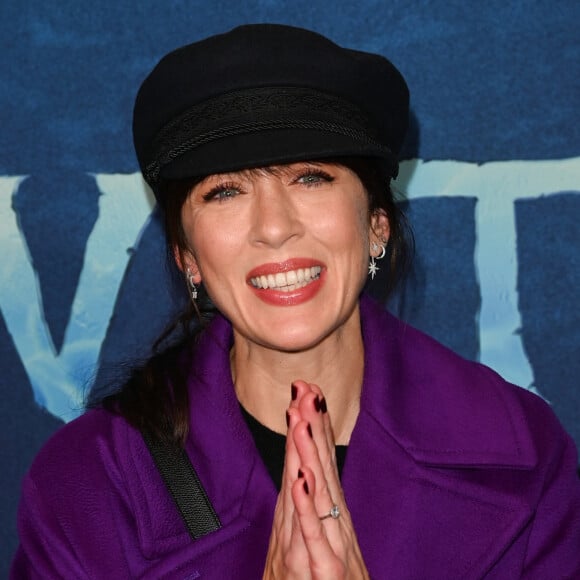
190	284
373	268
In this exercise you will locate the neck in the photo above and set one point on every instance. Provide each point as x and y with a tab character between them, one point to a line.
262	377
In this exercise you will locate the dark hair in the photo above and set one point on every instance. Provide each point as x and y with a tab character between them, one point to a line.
154	399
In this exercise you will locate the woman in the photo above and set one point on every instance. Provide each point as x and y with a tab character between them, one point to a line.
329	439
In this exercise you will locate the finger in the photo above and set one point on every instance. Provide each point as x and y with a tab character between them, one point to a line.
301	388
328	456
324	562
311	410
326	488
298	389
298	547
314	401
329	432
311	407
292	464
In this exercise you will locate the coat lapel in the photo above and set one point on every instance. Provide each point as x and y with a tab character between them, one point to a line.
428	474
229	467
416	521
229	463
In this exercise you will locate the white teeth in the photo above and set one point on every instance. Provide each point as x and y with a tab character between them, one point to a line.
287	281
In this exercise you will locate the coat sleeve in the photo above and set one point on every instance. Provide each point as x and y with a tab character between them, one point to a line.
67	541
73	510
554	542
44	551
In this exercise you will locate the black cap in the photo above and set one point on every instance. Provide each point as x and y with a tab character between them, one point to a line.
264	94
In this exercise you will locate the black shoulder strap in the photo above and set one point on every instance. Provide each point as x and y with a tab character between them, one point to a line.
183	483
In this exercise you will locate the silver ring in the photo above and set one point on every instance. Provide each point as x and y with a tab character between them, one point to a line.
334	513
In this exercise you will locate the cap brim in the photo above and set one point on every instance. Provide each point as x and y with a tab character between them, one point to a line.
264	148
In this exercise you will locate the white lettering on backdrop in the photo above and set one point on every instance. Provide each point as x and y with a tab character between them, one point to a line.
59	379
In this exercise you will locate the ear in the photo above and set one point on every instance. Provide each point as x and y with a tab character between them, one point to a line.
379	230
187	263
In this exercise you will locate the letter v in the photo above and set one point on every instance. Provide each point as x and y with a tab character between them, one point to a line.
59	380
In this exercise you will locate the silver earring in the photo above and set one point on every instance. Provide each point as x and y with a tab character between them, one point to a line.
190	284
373	268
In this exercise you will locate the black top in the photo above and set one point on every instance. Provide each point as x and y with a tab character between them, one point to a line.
272	448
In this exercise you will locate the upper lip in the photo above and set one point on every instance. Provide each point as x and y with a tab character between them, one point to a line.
286	266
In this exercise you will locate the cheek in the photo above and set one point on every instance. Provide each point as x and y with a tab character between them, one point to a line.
211	241
352	228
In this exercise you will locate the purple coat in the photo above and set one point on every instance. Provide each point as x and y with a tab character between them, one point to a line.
450	473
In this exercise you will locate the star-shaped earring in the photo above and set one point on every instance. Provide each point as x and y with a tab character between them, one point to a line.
373	268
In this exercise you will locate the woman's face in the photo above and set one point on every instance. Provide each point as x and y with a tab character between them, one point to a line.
283	251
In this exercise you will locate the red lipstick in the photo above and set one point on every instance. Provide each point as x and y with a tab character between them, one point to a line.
286	266
294	297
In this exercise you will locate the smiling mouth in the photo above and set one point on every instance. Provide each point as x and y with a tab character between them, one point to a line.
287	281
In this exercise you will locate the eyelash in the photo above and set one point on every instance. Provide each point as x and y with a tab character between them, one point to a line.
218	190
322	176
215	194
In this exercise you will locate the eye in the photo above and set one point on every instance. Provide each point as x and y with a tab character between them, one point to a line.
314	177
222	192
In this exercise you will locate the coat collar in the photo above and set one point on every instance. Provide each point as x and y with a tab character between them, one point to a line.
428	419
220	441
440	408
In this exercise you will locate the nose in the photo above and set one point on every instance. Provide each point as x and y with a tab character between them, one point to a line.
275	218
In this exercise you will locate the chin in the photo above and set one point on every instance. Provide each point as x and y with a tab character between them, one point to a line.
298	340
295	347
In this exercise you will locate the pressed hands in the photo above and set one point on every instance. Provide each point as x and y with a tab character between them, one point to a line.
302	545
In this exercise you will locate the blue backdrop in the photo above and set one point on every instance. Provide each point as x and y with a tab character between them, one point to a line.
490	182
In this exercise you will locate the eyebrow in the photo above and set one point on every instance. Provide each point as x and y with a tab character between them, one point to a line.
275	170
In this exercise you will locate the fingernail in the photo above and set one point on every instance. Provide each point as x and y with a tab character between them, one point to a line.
323	407
317	404
300	474
287	419
306	487
309	429
294	391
